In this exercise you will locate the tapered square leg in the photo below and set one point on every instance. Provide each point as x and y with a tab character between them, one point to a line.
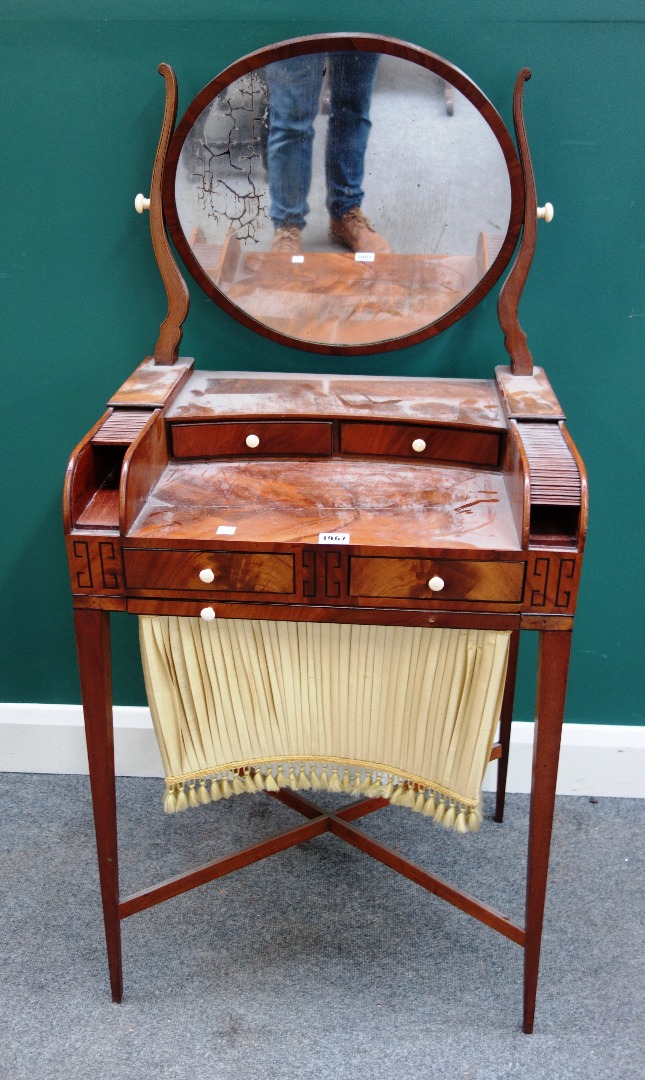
93	648
553	669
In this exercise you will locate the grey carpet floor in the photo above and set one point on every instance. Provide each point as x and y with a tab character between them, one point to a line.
318	962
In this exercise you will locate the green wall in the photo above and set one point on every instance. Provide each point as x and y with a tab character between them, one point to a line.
81	300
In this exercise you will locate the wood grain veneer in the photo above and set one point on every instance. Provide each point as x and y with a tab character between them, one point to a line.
276	437
471	404
143	464
442	444
495	582
151	385
379	503
234	571
170	332
527	397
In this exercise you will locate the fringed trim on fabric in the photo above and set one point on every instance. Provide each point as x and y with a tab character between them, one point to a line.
406	714
443	807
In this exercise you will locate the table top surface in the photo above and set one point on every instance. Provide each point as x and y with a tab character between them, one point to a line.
379	503
473	403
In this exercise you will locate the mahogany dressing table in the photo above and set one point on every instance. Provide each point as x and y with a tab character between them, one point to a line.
334	498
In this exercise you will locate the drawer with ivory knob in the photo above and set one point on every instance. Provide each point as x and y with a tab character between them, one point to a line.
417	442
162	570
436	579
244	439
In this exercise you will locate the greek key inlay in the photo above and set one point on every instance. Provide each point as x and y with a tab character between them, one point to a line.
540	578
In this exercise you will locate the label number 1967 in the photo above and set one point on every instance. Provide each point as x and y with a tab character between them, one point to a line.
333	538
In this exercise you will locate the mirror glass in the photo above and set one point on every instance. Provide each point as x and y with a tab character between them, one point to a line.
342	199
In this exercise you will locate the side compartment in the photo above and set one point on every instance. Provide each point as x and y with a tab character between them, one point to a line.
516	479
143	464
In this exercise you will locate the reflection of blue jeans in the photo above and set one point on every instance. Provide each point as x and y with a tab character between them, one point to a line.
294	89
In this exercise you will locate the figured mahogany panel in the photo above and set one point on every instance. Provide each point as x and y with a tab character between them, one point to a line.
233	571
220	439
494	582
528	397
378	503
443	444
102	510
151	385
230	395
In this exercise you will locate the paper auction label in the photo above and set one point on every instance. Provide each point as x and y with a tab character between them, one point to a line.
225	530
333	538
364	256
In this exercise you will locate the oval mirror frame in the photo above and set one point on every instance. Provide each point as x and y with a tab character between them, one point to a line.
338	43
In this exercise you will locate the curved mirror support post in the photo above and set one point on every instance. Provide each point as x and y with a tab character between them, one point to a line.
509	297
343	194
170	331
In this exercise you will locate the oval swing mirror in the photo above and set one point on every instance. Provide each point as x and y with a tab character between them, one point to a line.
343	193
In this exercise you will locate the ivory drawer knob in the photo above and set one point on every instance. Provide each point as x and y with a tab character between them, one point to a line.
207	614
436	583
252	441
206	576
419	445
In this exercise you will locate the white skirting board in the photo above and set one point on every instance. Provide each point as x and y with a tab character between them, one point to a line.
596	759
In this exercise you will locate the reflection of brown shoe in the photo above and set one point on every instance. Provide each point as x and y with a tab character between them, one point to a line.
287	239
357	233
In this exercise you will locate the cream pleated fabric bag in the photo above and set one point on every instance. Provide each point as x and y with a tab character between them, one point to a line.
402	712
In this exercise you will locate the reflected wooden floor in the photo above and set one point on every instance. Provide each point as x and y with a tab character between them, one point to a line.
337	297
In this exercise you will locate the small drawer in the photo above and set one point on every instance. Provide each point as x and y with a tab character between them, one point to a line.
436	579
418	443
231	571
244	439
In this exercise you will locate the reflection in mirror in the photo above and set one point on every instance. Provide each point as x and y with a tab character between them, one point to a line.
343	198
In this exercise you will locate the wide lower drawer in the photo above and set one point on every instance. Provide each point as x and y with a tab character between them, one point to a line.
417	442
436	579
201	571
264	437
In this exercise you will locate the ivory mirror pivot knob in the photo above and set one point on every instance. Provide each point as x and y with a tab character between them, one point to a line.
141	203
206	576
546	212
419	445
252	441
207	614
436	583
